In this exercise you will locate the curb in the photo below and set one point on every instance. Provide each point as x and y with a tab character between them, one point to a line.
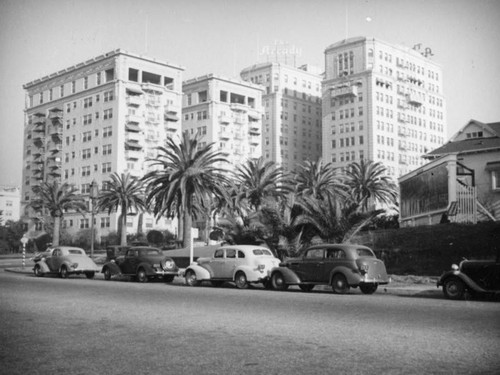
423	290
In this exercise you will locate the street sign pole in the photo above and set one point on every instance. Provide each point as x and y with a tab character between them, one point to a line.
24	241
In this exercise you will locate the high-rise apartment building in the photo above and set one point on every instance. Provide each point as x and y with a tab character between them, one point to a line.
226	112
291	128
104	115
381	102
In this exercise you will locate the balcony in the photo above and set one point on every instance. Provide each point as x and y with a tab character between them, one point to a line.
132	145
170	116
224	136
402	105
133	155
39	114
156	102
401	118
38	139
254	117
223	119
55	148
55	173
171	127
56	131
39	129
402	133
414	99
55	115
134	101
239	107
39	121
134	119
344	91
132	127
254	140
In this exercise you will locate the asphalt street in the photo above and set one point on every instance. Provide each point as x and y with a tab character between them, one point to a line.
78	326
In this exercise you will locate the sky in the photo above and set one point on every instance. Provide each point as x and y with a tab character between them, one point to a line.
222	37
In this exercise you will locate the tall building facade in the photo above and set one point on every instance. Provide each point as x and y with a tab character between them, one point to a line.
104	115
381	102
226	112
291	128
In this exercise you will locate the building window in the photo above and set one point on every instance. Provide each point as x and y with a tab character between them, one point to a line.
495	179
87	136
87	102
108	113
106	150
73	87
87	119
98	78
106	167
108	96
84	223
41	98
86	83
105	222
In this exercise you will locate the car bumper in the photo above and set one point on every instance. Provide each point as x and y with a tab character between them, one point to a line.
164	273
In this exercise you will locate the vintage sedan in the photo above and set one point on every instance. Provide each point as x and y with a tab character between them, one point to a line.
243	264
142	263
473	277
64	261
341	266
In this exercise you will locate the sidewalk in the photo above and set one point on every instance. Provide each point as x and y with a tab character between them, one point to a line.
416	286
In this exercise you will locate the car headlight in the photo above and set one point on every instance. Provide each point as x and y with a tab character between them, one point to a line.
168	264
74	265
454	267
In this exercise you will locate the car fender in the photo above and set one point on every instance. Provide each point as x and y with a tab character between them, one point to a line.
113	267
466	279
289	276
201	273
353	279
43	266
251	274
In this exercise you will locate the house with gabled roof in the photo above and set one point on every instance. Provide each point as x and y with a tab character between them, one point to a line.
460	183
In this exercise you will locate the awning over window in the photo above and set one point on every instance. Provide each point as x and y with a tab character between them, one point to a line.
133	127
493	166
171	117
134	91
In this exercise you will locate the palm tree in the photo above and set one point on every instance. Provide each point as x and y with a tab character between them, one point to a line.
188	179
260	181
318	180
369	184
125	193
57	199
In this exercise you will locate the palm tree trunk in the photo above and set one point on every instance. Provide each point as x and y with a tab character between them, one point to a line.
123	237
57	226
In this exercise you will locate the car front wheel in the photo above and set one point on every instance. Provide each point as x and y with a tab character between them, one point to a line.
454	288
38	270
191	279
107	274
368	288
64	272
141	275
339	284
278	281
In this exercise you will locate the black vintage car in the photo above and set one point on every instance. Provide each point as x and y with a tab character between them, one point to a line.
142	263
473	277
340	265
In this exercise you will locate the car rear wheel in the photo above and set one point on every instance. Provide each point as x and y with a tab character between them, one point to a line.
339	284
107	274
278	281
90	275
141	275
241	280
368	288
191	279
38	270
306	287
64	272
454	288
168	278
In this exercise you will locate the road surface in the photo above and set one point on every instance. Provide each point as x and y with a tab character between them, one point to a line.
79	326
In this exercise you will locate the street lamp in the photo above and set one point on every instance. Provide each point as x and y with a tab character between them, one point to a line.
94	191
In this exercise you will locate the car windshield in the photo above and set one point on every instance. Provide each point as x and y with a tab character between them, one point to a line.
364	253
262	252
76	252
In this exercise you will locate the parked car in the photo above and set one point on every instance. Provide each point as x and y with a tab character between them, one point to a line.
114	251
243	264
472	276
65	261
341	266
143	263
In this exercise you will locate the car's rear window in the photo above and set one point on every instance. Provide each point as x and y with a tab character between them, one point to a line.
262	252
76	251
364	253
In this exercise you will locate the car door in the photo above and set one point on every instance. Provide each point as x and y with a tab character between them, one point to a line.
54	260
229	265
309	268
217	263
334	258
129	264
